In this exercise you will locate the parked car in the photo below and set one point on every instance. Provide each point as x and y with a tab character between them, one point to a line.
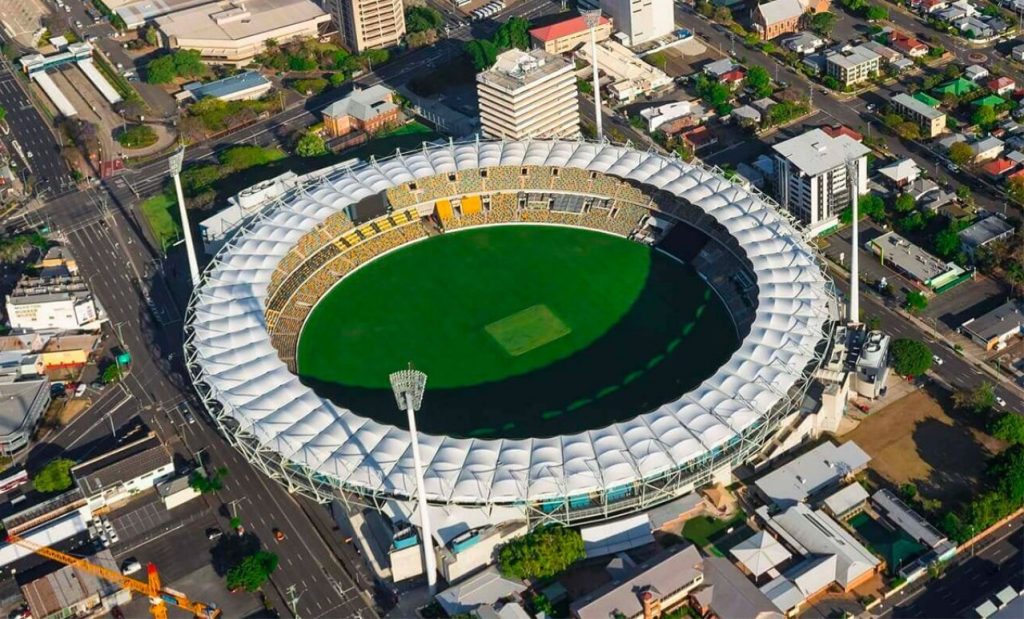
130	566
213	534
1001	402
937	360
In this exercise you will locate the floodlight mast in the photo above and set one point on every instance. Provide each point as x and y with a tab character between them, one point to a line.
592	19
854	311
175	163
408	386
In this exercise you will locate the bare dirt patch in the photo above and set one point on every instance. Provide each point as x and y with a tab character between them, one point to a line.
918	440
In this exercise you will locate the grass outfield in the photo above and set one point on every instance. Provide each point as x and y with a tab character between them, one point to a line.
515	326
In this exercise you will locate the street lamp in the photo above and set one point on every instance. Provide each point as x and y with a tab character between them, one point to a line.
408	386
593	19
175	163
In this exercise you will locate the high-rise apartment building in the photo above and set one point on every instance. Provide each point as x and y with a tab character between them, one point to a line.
812	176
640	20
528	94
368	24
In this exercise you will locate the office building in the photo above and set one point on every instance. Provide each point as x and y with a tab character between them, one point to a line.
368	24
115	476
235	32
55	299
811	176
931	121
994	329
852	66
638	20
528	94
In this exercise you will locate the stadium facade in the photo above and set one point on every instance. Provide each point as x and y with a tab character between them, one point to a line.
246	313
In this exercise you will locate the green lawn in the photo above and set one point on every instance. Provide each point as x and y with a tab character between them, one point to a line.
702	529
410	128
527	330
522	330
160	213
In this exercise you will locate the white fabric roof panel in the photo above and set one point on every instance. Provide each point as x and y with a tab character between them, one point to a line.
235	359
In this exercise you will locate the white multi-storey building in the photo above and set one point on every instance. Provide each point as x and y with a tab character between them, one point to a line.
811	176
368	24
529	95
639	20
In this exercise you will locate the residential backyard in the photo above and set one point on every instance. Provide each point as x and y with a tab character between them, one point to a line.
916	440
717	535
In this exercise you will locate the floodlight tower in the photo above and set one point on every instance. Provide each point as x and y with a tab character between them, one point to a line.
175	162
854	313
408	386
593	19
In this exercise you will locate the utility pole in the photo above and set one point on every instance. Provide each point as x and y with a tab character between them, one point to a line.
408	386
593	19
176	161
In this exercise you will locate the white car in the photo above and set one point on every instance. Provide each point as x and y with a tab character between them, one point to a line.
130	566
1001	402
937	360
80	390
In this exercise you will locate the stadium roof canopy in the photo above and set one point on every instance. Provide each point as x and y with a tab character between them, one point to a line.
237	366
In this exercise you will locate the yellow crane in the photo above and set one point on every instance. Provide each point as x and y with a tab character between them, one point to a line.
159	597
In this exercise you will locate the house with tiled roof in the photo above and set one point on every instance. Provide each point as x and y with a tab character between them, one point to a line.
733	78
1001	85
564	36
907	45
999	167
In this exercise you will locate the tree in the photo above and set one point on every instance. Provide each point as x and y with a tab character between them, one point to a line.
1015	190
311	144
916	302
1008	427
911	357
421	39
981	399
876	13
961	153
947	243
3	114
372	57
513	33
722	14
1007	474
908	130
188	63
111	374
705	8
823	23
422	18
541	553
984	117
871	205
208	485
892	120
759	81
252	572
151	35
55	476
482	53
904	203
161	70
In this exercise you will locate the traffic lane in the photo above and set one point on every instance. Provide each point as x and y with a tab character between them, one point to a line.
30	131
973	578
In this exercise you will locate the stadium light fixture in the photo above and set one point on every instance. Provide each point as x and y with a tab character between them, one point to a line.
175	164
593	19
854	311
409	385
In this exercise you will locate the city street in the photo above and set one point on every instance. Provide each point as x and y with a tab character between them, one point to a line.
113	258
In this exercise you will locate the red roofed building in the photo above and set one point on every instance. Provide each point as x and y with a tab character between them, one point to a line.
733	78
1017	174
839	130
564	36
908	45
699	138
998	167
1001	85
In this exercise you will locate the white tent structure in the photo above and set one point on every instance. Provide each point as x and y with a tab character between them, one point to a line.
327	451
760	553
